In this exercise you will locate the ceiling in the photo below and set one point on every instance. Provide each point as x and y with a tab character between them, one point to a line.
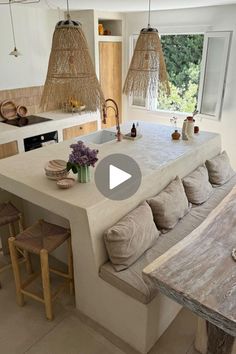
131	5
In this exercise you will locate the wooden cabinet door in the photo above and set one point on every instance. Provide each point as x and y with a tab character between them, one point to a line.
78	130
8	149
110	57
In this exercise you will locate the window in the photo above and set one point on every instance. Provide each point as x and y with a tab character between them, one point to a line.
196	64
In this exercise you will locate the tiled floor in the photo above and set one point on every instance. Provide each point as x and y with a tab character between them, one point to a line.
25	329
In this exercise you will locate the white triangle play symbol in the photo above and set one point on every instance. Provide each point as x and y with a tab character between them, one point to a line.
117	176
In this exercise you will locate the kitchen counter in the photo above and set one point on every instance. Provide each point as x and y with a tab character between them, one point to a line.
89	213
59	121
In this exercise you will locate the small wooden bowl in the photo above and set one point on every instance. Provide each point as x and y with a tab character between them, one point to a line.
66	183
21	111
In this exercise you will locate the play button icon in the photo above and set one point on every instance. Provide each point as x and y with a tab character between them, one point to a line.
118	176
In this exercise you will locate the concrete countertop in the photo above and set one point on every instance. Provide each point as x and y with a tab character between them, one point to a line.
153	152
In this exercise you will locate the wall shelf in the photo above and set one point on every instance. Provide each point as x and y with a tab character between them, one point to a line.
107	38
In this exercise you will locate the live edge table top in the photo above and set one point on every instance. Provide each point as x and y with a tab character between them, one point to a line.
199	272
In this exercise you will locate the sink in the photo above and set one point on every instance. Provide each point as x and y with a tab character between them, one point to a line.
99	137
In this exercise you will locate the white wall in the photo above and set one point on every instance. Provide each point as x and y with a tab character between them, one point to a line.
34	28
216	18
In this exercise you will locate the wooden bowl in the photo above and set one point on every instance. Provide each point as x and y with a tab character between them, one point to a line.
66	183
8	110
21	111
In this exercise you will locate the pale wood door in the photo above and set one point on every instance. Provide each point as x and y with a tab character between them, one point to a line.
111	76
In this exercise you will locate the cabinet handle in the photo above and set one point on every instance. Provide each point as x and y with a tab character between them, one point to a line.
81	128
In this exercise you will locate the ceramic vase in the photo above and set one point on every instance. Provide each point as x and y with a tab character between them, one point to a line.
84	174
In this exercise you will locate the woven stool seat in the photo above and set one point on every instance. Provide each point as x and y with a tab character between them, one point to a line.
42	235
8	213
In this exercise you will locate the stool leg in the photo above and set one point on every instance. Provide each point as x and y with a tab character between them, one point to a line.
20	223
28	263
70	266
29	268
16	271
12	229
46	284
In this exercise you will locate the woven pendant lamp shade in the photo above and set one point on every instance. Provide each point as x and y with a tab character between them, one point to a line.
147	73
71	73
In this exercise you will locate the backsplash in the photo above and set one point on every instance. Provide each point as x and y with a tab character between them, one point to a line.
26	96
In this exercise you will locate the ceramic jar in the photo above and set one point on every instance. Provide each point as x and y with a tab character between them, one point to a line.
176	135
190	127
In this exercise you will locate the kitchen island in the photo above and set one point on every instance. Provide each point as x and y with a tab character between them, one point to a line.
89	214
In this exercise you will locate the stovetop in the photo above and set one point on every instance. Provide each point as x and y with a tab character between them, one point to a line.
29	120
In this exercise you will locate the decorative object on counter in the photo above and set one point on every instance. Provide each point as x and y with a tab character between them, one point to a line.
80	160
8	110
234	254
56	169
196	128
70	70
184	131
116	110
66	183
190	126
176	135
147	72
74	106
21	111
100	29
133	132
138	130
15	51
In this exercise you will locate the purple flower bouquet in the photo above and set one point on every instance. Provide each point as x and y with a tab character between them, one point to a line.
80	159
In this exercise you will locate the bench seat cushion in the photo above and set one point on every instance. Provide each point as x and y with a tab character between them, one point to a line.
130	280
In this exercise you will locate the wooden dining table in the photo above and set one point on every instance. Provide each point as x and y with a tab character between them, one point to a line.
199	273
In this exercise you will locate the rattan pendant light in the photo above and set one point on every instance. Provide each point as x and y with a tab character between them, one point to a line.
147	73
71	74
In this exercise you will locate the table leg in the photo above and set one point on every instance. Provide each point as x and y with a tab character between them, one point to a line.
213	340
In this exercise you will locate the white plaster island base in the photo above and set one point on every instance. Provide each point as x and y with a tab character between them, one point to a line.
89	214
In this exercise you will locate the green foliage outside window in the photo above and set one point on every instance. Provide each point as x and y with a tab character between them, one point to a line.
183	55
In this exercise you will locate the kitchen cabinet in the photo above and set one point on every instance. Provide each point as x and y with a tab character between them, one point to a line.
8	149
110	63
78	130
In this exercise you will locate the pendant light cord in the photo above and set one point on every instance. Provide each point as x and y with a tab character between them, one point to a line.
68	9
12	24
149	14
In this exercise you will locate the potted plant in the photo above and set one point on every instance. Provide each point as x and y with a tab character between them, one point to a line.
80	160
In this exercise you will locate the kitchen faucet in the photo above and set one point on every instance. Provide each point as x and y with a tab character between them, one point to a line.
116	110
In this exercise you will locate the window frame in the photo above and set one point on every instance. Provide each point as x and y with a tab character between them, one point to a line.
227	35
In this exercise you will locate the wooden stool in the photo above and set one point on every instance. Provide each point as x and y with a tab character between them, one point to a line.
41	238
9	215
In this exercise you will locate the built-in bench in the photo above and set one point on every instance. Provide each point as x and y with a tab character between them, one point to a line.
130	280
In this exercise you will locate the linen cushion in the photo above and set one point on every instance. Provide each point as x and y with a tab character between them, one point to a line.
127	240
197	186
219	169
169	206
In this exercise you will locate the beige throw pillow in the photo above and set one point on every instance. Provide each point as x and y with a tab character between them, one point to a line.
127	240
219	169
169	206
197	186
